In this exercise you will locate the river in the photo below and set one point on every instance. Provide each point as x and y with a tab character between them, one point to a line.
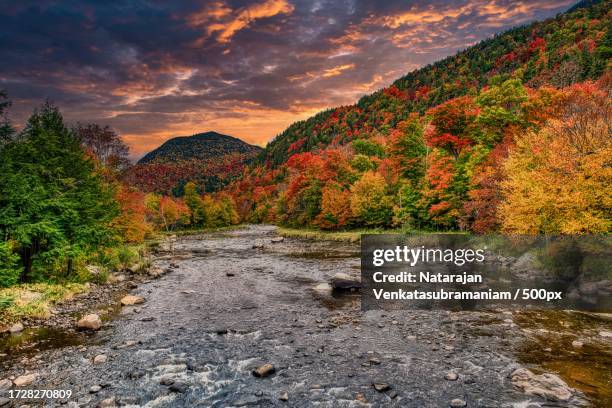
229	307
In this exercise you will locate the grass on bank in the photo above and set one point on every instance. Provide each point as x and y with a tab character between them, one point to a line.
348	236
35	299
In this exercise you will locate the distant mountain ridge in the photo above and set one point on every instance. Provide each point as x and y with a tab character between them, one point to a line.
201	146
209	159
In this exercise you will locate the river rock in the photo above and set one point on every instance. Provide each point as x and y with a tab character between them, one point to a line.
178	387
343	281
264	370
94	389
16	328
108	403
605	333
451	376
4	402
5	384
100	359
131	300
458	403
381	387
547	385
166	381
24	380
577	344
284	396
90	322
277	240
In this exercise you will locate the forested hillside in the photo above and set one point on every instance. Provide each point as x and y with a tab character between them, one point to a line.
459	144
573	47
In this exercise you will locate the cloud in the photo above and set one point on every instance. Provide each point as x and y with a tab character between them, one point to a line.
330	72
230	22
249	68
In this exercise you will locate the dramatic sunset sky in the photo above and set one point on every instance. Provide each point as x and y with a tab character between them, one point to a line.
157	69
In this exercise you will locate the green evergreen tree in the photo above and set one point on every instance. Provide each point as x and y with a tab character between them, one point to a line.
53	204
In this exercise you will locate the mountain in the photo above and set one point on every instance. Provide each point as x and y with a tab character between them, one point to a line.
572	47
209	159
201	146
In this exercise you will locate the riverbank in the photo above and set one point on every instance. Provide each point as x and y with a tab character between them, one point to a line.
55	304
229	308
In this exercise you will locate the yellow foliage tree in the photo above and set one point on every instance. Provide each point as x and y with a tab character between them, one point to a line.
559	179
369	200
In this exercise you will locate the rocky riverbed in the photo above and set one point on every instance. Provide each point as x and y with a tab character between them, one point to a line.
247	319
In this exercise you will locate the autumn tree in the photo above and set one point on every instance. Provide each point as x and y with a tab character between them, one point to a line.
558	177
335	207
452	125
165	212
131	224
370	202
104	144
195	204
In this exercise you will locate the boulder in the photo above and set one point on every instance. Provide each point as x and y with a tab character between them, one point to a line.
108	403
264	370
100	359
25	380
548	386
451	376
131	300
90	322
381	387
277	240
343	281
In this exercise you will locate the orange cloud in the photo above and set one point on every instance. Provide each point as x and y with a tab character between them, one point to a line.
221	19
330	72
428	16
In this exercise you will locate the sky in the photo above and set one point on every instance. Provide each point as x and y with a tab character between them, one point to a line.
155	69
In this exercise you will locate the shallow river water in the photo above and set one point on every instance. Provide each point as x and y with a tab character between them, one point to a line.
201	332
